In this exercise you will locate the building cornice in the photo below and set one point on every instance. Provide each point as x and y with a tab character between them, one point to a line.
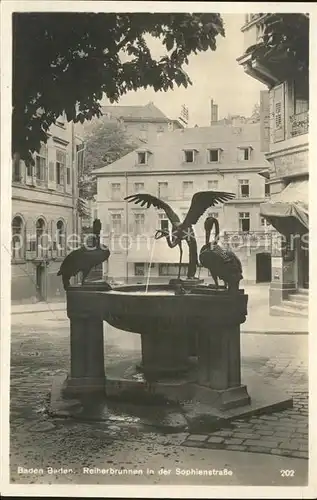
218	170
59	140
39	190
41	202
299	148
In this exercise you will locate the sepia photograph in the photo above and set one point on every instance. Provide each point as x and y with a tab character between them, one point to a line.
155	255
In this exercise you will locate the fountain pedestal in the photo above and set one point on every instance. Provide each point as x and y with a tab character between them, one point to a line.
209	387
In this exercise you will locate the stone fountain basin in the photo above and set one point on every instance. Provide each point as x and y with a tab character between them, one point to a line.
159	310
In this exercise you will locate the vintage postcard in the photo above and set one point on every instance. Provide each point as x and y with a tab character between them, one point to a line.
156	272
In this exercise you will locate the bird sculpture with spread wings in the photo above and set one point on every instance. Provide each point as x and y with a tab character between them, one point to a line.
200	202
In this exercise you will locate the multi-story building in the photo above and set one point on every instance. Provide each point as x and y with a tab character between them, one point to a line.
44	215
284	115
173	168
141	124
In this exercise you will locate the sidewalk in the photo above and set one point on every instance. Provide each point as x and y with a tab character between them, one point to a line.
37	307
258	319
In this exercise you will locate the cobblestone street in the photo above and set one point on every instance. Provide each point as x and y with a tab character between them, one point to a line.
40	350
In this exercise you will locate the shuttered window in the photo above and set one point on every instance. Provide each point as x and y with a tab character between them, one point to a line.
279	113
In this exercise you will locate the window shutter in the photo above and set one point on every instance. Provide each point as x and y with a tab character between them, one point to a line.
51	159
69	169
240	154
30	251
264	120
52	236
279	113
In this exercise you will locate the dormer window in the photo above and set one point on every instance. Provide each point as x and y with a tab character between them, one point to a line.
244	153
190	155
214	155
143	157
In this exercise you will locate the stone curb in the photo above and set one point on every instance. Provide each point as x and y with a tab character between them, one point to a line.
274	332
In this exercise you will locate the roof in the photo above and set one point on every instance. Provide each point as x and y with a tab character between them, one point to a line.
136	113
167	150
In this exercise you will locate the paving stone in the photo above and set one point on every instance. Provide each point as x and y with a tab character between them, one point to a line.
235	447
265	444
243	435
283	434
258	449
216	439
293	445
223	433
265	432
197	437
233	441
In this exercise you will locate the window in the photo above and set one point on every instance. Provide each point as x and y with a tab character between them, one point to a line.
17	242
264	223
139	223
68	175
116	223
40	166
163	189
142	159
16	170
244	154
189	155
244	188
164	222
188	187
60	238
213	185
115	190
139	269
60	167
172	269
244	221
138	187
40	231
213	155
267	190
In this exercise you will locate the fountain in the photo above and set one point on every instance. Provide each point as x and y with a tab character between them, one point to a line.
205	387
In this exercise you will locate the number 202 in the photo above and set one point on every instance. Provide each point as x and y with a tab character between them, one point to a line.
287	472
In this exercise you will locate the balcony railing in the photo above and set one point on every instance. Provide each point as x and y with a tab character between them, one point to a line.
253	238
299	123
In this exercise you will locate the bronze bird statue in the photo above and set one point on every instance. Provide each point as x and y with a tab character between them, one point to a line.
183	230
83	259
223	264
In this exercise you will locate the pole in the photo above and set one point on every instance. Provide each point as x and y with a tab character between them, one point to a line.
127	225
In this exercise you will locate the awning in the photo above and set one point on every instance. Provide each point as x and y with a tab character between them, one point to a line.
288	210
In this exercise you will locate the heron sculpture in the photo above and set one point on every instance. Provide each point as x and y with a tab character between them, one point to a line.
200	202
223	264
83	259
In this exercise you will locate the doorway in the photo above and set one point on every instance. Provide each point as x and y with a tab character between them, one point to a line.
303	268
263	267
40	283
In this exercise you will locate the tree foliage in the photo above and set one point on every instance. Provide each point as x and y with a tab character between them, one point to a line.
106	142
66	62
285	40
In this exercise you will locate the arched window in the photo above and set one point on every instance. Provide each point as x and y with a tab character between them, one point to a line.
60	238
17	242
40	242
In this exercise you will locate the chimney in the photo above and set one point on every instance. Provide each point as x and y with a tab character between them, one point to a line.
213	112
